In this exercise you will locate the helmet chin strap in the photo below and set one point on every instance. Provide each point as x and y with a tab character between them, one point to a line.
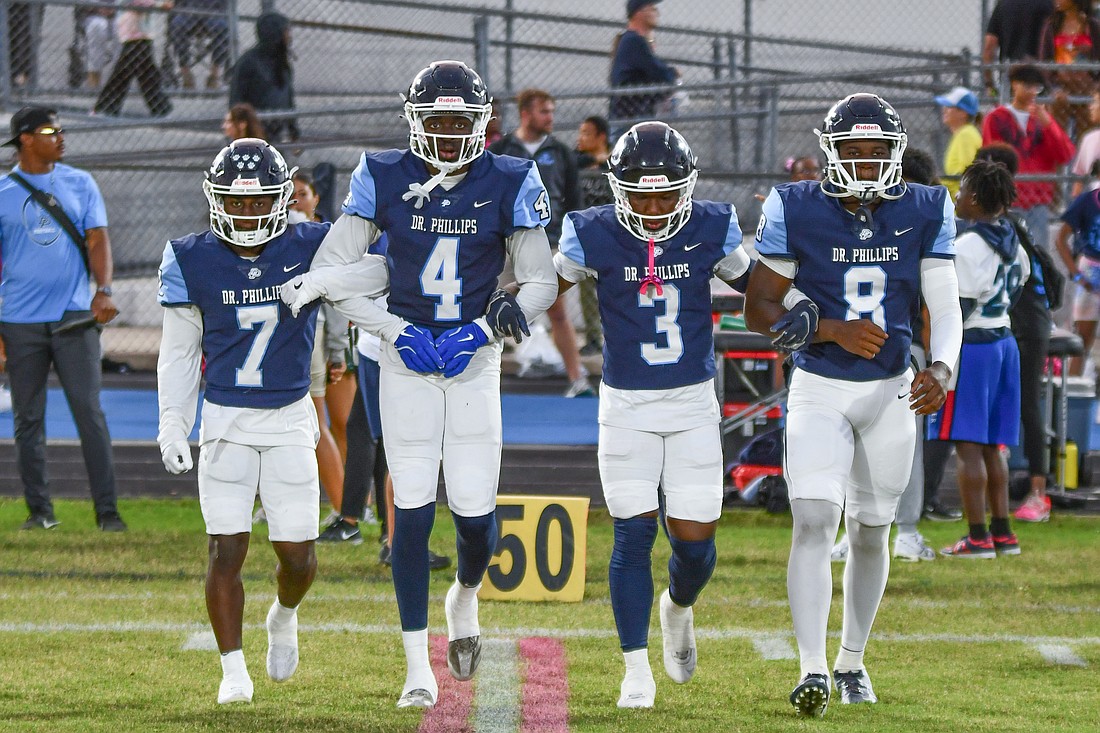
651	280
422	191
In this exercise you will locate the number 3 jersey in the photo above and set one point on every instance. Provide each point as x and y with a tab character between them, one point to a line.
853	268
257	354
444	258
653	341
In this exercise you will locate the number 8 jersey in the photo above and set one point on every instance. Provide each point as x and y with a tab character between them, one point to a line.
855	269
257	354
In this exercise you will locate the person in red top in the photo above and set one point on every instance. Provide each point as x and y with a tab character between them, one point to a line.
1040	142
1071	36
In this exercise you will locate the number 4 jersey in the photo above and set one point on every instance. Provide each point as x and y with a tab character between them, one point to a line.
257	355
856	269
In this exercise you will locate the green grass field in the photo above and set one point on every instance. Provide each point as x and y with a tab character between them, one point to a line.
93	629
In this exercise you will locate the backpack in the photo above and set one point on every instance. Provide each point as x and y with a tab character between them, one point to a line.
1044	273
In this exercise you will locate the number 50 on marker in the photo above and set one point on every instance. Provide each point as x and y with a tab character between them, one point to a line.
541	547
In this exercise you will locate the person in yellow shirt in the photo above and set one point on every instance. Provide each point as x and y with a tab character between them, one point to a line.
960	110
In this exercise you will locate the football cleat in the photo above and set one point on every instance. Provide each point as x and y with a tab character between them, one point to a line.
811	697
282	647
638	691
235	690
463	635
854	687
418	698
678	632
971	549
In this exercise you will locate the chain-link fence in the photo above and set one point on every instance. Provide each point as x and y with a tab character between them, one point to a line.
756	77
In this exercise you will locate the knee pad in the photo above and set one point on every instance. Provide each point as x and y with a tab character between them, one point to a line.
476	539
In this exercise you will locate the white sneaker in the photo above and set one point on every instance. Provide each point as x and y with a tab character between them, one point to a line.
678	632
420	691
235	690
637	691
332	517
840	550
282	646
580	388
912	548
260	517
463	634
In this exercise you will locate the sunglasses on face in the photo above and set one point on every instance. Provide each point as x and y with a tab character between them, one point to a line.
50	131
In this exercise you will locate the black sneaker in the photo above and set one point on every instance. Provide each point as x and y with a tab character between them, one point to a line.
111	522
435	562
811	697
341	530
854	687
937	512
40	521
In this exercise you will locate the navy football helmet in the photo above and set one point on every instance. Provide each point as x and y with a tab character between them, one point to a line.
652	157
862	117
447	88
248	167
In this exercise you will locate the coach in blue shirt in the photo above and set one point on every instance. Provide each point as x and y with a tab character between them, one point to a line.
48	314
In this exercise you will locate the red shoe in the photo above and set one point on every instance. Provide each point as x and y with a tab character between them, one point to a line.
1006	544
1035	509
971	548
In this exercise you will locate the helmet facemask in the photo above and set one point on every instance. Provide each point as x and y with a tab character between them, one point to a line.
424	145
634	222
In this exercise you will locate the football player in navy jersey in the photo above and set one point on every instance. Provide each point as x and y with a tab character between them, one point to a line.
220	290
653	253
452	212
863	247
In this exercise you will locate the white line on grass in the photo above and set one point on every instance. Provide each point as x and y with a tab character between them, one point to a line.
1060	654
496	706
200	641
772	647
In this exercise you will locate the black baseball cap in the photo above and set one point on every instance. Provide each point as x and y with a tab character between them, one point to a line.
633	6
30	119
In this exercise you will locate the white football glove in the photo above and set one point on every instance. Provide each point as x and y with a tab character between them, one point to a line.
299	292
176	456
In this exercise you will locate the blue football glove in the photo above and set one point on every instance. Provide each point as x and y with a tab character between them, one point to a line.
505	317
417	350
457	346
797	327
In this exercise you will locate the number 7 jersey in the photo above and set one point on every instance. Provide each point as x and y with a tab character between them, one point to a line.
853	270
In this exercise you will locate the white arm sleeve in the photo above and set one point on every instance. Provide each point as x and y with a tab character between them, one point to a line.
786	268
529	251
178	372
346	242
940	288
733	265
570	270
793	297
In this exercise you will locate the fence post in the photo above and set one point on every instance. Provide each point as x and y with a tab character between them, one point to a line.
746	49
508	40
5	68
481	48
735	124
964	75
233	13
771	128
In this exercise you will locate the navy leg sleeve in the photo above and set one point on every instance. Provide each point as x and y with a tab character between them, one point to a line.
631	579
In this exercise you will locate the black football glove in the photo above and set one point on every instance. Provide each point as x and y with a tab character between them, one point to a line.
797	327
505	317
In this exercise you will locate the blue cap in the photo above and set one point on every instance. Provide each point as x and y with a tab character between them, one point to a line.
960	97
633	6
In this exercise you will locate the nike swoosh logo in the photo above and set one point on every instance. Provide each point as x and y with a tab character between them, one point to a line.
899	232
691	246
469	337
479	204
297	286
292	267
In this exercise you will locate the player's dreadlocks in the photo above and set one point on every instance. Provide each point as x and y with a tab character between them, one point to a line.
991	184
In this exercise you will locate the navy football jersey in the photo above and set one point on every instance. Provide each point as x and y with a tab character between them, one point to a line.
444	258
257	354
854	271
654	341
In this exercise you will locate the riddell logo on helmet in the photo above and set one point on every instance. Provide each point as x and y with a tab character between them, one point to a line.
650	180
866	128
450	100
246	183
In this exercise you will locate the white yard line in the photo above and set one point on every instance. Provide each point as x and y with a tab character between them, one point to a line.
1060	654
772	647
497	702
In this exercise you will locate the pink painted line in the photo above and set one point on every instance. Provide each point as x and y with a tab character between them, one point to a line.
451	713
545	687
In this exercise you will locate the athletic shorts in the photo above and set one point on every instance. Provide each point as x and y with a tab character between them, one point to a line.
983	405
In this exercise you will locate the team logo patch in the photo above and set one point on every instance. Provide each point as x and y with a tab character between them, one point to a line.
255	273
865	234
658	250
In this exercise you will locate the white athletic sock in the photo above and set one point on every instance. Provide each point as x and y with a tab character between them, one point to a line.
637	663
283	628
810	580
865	578
233	665
460	608
419	668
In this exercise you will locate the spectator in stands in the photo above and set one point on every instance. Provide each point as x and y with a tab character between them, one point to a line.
135	61
53	236
195	21
242	121
24	35
804	168
1082	220
557	167
1087	163
100	44
592	153
634	64
1040	143
264	78
1032	322
1012	34
959	111
1071	36
984	410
